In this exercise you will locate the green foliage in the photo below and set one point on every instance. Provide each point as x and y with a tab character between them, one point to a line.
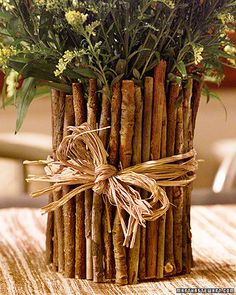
61	42
210	95
23	100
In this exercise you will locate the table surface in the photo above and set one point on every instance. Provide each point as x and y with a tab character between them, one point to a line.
23	272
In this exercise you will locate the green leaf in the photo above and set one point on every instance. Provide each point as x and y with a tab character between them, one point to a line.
46	21
172	77
226	55
58	86
5	15
42	70
16	28
83	71
182	69
24	97
120	66
137	52
136	74
210	95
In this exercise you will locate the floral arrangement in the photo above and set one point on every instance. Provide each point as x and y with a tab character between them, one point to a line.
55	43
126	79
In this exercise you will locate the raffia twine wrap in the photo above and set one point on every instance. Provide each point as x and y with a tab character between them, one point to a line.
82	161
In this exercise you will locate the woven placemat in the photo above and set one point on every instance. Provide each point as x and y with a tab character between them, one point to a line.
23	272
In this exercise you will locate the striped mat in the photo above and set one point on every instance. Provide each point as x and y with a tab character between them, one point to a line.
22	269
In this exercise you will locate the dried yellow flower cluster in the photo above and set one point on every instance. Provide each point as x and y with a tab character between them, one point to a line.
5	54
197	51
50	4
229	49
226	18
75	18
90	29
12	83
168	3
6	5
63	62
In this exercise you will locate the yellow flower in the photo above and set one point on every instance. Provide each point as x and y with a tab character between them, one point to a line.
54	4
197	51
5	54
67	57
90	29
12	83
231	50
40	2
169	3
226	18
50	4
6	5
75	18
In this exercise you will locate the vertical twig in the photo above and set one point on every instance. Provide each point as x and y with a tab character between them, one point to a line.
171	128
80	244
146	143
195	101
114	142
97	210
158	102
126	137
186	125
162	219
178	196
159	99
58	110
49	234
92	121
69	207
133	254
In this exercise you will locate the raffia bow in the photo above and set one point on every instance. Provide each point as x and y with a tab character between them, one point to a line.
82	161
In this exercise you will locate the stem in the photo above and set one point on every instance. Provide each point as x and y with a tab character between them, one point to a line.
146	39
158	40
98	61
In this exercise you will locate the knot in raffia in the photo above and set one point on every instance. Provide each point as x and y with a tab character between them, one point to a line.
102	174
82	161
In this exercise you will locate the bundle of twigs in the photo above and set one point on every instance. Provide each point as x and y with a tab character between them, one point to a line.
85	238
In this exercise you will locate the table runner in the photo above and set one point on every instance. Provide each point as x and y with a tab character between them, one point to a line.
23	272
